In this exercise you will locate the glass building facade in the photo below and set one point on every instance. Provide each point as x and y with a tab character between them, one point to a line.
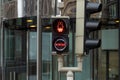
18	43
106	63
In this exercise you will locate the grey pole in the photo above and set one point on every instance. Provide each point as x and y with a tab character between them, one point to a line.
118	16
39	40
2	51
2	42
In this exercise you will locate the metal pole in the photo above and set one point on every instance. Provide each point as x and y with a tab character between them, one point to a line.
2	51
107	65
118	16
27	59
55	12
39	40
70	75
2	43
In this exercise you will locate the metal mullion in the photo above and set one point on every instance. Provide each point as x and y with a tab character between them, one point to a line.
107	65
27	57
39	39
118	16
2	51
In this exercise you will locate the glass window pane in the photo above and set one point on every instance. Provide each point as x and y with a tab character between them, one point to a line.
46	57
33	46
113	65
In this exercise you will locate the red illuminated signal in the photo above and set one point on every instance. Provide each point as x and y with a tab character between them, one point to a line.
60	26
60	44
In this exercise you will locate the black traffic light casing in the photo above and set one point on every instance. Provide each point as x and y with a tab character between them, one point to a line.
60	32
91	25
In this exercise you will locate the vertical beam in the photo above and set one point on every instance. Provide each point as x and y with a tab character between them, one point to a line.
55	8
79	43
20	8
27	58
92	56
118	16
2	50
2	42
107	65
39	40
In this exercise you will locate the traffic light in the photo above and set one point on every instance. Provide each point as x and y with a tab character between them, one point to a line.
60	32
91	25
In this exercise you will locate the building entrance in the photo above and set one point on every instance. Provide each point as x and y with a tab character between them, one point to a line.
19	59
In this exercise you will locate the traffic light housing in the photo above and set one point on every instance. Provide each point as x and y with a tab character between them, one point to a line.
91	25
60	32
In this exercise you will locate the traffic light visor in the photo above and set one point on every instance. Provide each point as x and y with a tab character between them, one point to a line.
92	43
93	7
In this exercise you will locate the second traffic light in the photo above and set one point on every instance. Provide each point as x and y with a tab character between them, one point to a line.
60	32
91	26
